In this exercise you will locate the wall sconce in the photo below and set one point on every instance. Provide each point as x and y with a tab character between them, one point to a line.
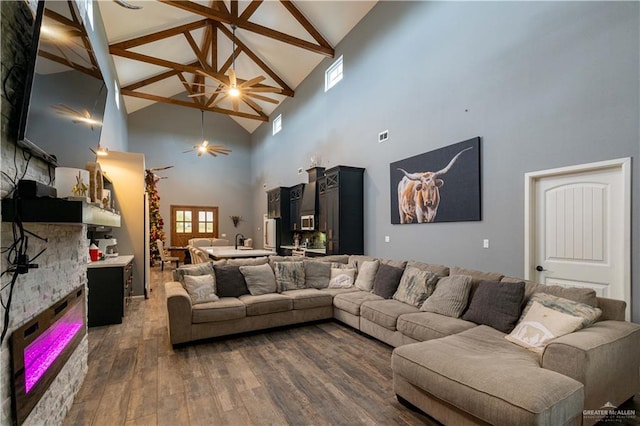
235	220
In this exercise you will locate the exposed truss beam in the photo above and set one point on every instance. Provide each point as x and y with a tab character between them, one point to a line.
160	35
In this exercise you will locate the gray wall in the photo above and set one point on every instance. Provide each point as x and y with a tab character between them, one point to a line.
545	84
162	132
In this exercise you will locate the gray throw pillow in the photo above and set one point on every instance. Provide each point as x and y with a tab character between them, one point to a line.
205	268
387	280
317	274
230	281
259	279
496	304
415	286
450	296
289	275
201	288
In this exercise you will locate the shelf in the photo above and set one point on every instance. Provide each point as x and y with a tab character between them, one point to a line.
57	210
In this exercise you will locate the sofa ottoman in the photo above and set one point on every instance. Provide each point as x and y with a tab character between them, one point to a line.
477	376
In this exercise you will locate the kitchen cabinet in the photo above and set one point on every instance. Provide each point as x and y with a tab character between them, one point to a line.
295	203
110	284
341	209
278	204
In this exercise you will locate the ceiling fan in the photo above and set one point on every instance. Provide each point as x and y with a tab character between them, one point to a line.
204	146
153	171
76	116
245	91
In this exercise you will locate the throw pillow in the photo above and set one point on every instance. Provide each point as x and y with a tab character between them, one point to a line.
415	286
342	277
205	268
230	281
587	313
387	280
317	274
201	288
289	275
366	274
259	279
496	304
540	326
450	296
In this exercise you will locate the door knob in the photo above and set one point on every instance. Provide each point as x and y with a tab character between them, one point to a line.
540	268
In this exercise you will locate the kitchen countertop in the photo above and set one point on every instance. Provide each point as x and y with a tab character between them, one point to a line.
111	262
310	250
230	252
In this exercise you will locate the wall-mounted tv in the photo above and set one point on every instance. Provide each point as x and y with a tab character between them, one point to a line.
65	97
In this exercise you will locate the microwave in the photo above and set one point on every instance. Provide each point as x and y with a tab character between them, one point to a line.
308	222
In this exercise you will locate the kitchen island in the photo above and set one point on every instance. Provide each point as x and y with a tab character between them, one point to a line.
230	252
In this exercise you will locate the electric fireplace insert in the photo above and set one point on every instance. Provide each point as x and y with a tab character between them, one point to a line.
42	346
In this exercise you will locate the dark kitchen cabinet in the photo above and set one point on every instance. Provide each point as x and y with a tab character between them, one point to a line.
295	204
278	204
110	286
341	209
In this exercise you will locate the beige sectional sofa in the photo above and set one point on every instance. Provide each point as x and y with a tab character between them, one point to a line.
457	371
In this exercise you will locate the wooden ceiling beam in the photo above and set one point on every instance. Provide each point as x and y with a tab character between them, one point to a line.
306	24
250	10
189	88
195	105
155	78
286	90
227	18
160	35
94	72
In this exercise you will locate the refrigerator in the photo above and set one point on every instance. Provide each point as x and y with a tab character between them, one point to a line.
271	237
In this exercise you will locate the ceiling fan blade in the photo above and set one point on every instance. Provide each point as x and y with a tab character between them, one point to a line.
212	153
157	169
86	113
232	77
253	81
199	153
92	150
184	152
252	104
234	102
262	98
263	89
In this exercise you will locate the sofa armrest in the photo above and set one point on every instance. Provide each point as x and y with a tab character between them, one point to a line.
178	312
612	309
604	357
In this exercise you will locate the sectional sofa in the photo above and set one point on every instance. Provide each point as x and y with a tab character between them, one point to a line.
456	370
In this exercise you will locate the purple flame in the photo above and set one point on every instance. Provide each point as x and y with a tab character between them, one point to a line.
43	351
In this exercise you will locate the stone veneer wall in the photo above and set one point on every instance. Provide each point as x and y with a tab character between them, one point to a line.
62	267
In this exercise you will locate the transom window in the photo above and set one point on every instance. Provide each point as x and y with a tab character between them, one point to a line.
333	74
277	124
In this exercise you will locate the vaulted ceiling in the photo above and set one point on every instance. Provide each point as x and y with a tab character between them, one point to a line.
181	52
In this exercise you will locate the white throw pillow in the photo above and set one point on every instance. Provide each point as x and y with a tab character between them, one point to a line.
366	274
342	277
540	326
201	288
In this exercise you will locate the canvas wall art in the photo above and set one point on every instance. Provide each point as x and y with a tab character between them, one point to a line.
438	186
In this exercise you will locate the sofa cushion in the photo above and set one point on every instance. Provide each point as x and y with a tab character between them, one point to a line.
317	274
289	275
335	258
342	277
440	270
351	302
201	288
230	281
335	291
387	280
424	326
395	263
259	278
226	308
205	268
308	298
266	303
252	261
476	276
496	304
385	312
450	296
415	286
577	294
481	373
366	274
541	325
587	313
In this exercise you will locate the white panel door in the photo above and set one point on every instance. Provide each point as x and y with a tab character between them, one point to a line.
581	232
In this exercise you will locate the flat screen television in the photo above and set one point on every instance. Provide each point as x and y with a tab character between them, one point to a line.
65	95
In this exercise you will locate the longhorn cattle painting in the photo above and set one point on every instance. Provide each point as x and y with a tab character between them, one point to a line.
438	186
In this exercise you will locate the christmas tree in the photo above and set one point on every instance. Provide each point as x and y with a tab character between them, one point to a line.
155	219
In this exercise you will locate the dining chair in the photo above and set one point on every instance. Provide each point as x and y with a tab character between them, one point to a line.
165	257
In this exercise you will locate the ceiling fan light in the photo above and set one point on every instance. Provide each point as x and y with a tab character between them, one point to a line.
202	148
234	92
102	152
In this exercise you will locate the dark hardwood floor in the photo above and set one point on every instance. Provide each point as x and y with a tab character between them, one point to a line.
322	373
